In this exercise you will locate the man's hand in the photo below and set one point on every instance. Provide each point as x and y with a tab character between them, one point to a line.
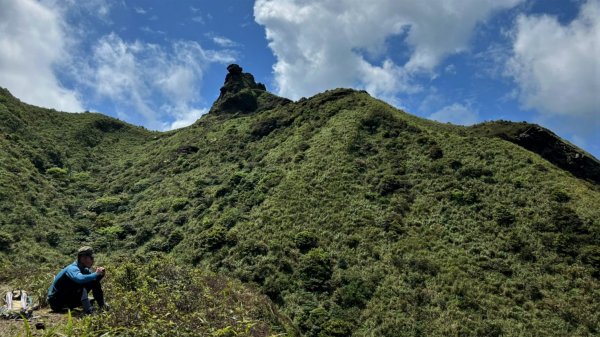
100	271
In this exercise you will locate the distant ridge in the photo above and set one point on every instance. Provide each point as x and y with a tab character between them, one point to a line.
545	143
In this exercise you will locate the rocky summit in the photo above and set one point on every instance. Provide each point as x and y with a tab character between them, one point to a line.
241	94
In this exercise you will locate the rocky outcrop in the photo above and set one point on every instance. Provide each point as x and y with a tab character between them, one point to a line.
545	143
241	94
236	80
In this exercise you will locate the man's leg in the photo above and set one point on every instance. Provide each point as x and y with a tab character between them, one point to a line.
96	289
85	302
56	304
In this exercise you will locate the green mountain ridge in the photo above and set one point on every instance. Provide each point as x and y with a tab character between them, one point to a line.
355	218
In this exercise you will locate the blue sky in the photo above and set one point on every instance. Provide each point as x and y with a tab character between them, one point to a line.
160	64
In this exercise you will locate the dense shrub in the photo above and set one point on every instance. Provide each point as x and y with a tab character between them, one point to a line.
435	152
464	198
106	204
53	238
57	172
177	204
389	184
315	269
380	118
143	235
356	293
560	196
566	220
306	241
89	136
174	239
503	216
6	241
264	127
141	185
212	238
475	172
336	327
108	124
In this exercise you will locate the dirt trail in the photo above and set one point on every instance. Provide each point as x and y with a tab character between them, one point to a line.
9	328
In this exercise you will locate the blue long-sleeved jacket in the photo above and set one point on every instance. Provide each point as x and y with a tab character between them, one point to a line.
71	278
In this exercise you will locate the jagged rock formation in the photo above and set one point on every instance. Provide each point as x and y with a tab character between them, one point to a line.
241	94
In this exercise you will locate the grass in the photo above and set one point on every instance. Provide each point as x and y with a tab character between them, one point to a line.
159	297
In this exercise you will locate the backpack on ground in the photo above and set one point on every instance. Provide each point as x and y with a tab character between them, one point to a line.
17	305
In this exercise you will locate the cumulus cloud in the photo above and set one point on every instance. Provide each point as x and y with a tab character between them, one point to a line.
156	83
33	43
557	67
557	70
455	114
324	44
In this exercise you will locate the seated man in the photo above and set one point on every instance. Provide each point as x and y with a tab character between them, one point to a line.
72	284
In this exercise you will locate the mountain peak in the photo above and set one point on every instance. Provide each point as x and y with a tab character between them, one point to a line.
241	94
236	80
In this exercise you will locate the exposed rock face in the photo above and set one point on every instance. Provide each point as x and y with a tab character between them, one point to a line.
556	151
236	80
241	94
545	143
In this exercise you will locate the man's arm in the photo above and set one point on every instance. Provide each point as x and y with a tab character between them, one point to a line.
75	274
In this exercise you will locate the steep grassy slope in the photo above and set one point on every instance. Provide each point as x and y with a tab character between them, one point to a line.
354	217
50	164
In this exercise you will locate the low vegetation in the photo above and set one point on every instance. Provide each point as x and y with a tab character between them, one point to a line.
154	296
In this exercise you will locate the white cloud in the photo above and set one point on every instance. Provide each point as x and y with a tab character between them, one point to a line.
450	69
140	10
33	43
557	67
159	84
98	9
184	117
224	42
199	19
455	114
557	70
319	44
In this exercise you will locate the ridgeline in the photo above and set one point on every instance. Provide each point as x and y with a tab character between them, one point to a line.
353	217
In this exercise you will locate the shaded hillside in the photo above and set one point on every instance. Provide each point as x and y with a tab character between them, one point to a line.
545	143
355	218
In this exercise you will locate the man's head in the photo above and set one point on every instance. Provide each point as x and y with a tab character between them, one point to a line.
85	256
